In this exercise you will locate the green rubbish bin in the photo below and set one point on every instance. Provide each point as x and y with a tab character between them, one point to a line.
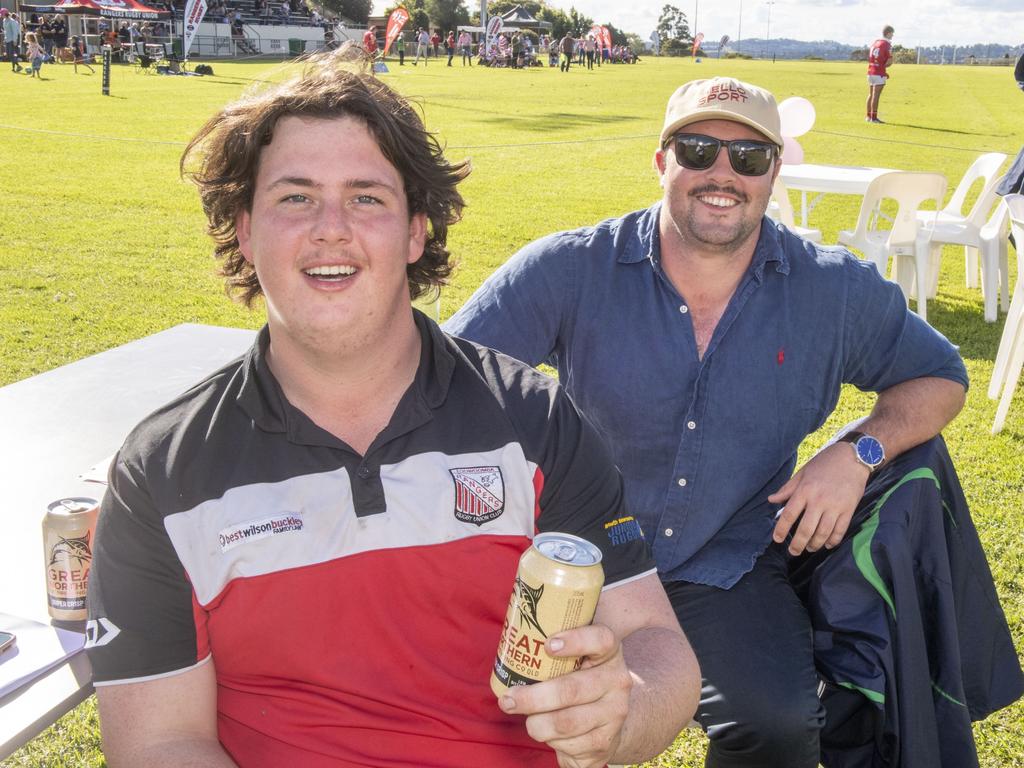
296	47
176	48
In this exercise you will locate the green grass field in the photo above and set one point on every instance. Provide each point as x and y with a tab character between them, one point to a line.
101	243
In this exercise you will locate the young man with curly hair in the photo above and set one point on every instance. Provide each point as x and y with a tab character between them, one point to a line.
306	558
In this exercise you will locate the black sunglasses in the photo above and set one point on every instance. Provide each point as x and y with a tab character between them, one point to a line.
747	156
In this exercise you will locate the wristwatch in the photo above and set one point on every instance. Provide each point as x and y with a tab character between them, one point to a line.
866	448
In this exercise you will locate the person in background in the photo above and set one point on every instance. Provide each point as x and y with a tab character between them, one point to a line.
306	559
466	47
449	46
566	46
12	37
879	61
370	41
78	54
1018	72
422	47
44	33
400	48
60	38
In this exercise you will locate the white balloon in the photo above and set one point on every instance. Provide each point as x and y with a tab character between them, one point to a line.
792	152
797	116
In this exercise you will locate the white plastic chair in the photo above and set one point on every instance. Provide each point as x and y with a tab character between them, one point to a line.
1010	357
781	209
953	226
991	244
909	190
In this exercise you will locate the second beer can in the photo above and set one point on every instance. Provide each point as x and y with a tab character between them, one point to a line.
556	588
68	531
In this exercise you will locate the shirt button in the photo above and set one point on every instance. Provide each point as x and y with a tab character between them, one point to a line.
691	425
682	482
364	472
668	531
683	308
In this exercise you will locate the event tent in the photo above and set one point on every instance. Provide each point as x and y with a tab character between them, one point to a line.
111	9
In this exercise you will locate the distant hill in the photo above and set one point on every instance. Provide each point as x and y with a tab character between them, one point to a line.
785	48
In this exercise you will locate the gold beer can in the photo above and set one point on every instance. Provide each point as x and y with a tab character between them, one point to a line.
68	531
556	588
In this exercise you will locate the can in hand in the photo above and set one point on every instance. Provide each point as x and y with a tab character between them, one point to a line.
68	531
556	588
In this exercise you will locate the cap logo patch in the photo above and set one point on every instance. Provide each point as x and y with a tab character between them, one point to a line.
479	494
723	92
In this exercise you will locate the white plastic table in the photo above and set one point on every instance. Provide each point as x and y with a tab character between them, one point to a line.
827	179
55	426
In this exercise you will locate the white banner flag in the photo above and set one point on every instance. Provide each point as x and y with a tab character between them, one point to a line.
195	10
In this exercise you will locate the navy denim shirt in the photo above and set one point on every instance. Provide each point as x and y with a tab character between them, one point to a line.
703	442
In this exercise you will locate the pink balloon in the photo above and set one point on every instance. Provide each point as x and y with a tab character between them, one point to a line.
797	116
792	152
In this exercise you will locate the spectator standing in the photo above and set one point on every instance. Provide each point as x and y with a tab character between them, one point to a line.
60	38
449	46
422	47
370	41
466	47
78	54
400	48
44	34
879	59
435	44
12	37
517	49
588	48
566	46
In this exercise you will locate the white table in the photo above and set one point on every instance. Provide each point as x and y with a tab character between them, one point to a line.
55	426
827	179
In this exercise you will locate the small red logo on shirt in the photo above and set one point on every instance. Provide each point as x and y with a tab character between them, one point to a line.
781	356
479	494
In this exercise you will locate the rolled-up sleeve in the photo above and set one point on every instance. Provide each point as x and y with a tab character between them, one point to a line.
886	344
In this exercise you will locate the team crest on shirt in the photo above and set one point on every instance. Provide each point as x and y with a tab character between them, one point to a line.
479	494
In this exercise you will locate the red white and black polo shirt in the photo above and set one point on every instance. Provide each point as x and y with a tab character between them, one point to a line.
351	604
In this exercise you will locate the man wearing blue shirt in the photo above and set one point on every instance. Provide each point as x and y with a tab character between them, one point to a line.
706	342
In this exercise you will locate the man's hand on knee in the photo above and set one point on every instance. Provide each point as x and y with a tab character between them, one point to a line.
579	715
823	495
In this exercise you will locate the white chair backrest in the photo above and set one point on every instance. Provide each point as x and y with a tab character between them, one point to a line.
998	222
909	189
1015	205
781	197
985	167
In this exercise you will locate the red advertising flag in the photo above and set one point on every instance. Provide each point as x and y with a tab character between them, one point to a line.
395	23
598	35
606	38
696	43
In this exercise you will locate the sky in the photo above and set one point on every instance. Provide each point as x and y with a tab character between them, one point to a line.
857	22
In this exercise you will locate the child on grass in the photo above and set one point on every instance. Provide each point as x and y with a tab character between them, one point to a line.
78	54
34	53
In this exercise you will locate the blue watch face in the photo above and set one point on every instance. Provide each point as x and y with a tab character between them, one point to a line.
870	451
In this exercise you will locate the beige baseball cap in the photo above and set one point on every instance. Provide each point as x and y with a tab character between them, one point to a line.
723	98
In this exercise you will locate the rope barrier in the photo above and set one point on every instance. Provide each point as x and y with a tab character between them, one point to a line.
907	143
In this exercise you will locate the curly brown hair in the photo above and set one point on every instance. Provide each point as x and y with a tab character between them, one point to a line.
223	158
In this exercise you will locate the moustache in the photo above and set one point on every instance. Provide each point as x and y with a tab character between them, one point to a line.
712	189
